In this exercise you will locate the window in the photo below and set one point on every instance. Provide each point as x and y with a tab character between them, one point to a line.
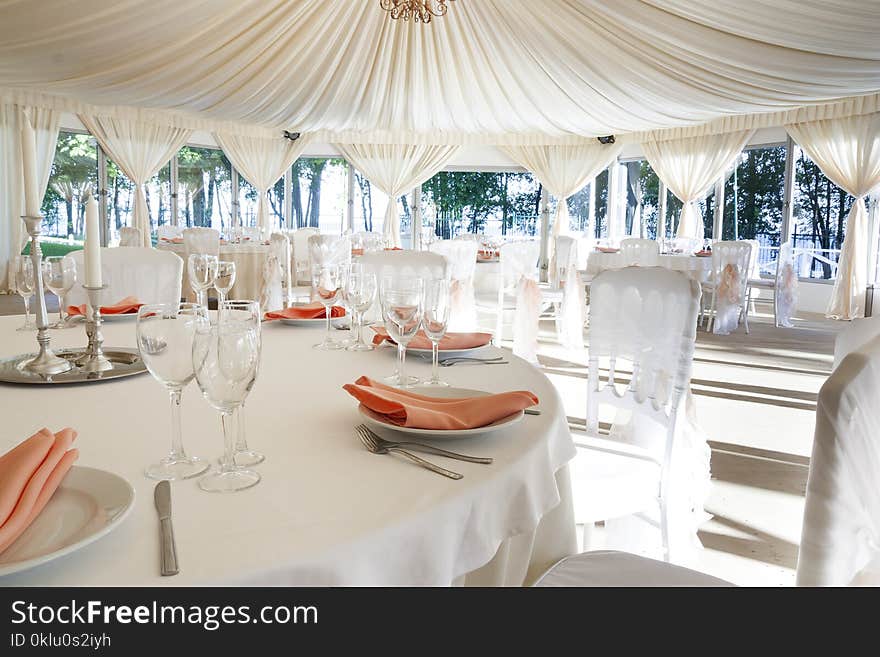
204	188
247	203
73	177
319	192
121	199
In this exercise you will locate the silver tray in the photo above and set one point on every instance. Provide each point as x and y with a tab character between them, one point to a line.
126	362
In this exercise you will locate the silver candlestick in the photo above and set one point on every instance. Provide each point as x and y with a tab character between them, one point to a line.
45	362
93	359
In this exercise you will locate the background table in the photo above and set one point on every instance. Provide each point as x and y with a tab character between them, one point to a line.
694	266
327	512
248	259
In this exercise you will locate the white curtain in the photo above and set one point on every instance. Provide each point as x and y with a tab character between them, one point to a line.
690	166
564	170
262	162
848	152
45	124
140	150
396	169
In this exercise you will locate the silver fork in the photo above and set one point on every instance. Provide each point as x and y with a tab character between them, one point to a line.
452	360
388	444
369	442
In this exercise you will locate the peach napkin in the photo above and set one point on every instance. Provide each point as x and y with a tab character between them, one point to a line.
357	252
306	311
172	240
449	341
29	475
127	306
407	409
606	249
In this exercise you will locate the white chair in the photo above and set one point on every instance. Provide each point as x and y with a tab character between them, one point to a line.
129	236
418	264
622	569
553	293
151	275
299	240
859	333
783	285
737	257
647	316
201	240
329	249
277	289
640	252
518	263
461	256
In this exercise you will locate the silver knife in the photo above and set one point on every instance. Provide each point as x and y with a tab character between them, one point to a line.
162	497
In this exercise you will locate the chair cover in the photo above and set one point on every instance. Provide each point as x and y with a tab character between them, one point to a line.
519	277
786	293
643	253
276	288
564	275
129	236
730	267
461	256
859	333
148	274
840	540
201	240
419	264
329	250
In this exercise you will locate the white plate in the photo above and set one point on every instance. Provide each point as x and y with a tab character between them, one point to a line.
88	504
446	353
336	322
376	421
108	318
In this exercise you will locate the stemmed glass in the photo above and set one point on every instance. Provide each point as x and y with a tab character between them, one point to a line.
226	357
59	275
248	312
24	286
224	280
165	334
326	285
202	271
434	322
360	292
401	300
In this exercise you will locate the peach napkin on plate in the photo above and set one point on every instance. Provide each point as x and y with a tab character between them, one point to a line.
306	311
449	341
126	306
29	475
408	409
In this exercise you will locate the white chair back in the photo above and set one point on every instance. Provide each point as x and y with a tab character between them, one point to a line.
518	260
738	254
420	264
329	249
201	240
300	242
461	257
754	266
129	236
151	275
639	252
785	294
565	255
277	274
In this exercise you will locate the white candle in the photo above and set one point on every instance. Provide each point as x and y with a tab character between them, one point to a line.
93	245
29	167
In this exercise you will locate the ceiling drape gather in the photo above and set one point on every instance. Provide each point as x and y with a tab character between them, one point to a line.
262	161
396	169
848	153
689	167
139	150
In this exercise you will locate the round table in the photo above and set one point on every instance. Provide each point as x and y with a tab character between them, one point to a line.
248	258
326	512
696	267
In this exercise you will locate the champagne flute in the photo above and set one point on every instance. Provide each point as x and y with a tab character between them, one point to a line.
249	313
225	358
202	271
24	286
434	322
401	300
59	275
165	334
224	280
326	284
360	290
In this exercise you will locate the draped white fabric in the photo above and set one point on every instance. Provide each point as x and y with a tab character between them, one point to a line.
500	71
564	170
690	166
396	169
140	150
262	162
848	152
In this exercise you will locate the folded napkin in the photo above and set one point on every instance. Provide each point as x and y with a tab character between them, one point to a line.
357	252
306	311
606	249
128	305
29	475
702	254
449	341
407	409
172	240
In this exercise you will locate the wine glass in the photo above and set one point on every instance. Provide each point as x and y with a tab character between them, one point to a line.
326	285
401	300
225	357
434	322
24	286
224	280
360	291
202	271
59	275
249	313
165	334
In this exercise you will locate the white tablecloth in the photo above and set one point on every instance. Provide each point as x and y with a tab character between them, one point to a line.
248	259
697	268
327	512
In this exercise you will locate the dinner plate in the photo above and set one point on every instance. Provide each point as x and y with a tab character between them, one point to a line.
376	421
119	317
336	322
87	505
446	353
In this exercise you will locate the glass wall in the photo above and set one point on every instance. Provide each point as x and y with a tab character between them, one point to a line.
319	193
204	188
121	199
73	177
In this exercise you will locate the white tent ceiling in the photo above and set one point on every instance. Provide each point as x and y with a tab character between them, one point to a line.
490	71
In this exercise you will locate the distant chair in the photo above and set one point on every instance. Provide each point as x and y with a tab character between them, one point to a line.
129	236
462	262
419	264
783	284
277	287
169	232
201	240
299	240
639	252
728	258
148	274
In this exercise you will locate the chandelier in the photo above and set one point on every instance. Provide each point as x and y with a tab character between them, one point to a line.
421	11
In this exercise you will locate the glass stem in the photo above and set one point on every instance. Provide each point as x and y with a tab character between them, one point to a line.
177	452
327	313
27	311
226	420
60	310
241	437
401	362
358	332
435	362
